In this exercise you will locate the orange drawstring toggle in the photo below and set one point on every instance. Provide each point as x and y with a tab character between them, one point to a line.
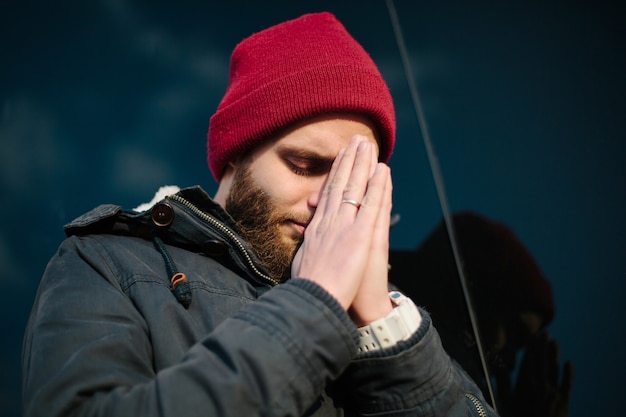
178	278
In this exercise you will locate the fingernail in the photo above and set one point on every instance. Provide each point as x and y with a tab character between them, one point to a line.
359	138
363	146
379	167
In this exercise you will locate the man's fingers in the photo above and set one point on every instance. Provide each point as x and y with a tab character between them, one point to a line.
329	184
374	197
354	189
337	178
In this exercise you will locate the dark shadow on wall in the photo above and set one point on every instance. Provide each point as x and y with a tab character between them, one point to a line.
513	304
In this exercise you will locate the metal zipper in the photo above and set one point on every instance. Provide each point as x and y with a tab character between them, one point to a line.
228	233
479	406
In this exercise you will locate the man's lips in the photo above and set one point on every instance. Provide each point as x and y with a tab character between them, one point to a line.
299	226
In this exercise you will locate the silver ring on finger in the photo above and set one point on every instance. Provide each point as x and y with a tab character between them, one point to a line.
351	202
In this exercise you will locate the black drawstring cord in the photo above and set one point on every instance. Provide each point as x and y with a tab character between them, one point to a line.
180	286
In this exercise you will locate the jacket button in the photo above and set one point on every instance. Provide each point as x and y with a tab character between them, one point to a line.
214	248
162	214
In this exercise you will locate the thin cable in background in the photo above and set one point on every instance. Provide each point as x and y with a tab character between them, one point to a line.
443	200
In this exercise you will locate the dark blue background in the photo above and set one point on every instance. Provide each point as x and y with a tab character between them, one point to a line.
105	100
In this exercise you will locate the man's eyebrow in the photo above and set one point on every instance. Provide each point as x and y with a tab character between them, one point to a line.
301	153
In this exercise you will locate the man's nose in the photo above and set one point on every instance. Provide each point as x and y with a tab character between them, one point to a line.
315	192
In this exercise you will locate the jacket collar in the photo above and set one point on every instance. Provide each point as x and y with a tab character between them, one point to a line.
189	219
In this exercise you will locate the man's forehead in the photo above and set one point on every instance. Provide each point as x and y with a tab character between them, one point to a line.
323	136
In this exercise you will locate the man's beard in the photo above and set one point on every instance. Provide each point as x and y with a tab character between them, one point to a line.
260	222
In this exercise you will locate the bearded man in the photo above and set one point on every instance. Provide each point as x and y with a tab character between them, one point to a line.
269	299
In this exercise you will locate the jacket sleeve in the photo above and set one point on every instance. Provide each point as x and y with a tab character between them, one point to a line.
414	378
87	350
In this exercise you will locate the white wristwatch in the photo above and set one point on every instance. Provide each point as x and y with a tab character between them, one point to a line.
397	326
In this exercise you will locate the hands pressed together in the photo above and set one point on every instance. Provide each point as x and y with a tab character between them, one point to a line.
346	246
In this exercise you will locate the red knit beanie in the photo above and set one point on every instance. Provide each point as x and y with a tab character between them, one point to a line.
291	72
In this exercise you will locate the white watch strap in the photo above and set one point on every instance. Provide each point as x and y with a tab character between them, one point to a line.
397	326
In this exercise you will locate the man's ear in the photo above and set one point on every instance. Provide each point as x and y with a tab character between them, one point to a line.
223	190
229	170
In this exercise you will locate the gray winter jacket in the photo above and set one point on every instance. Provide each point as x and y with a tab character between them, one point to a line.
108	336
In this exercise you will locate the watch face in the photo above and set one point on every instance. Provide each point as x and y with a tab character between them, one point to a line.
396	297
